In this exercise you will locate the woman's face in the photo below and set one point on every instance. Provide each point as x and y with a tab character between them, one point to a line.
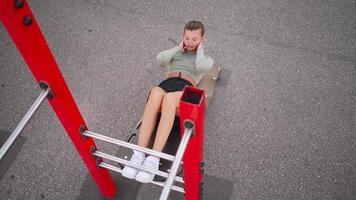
192	39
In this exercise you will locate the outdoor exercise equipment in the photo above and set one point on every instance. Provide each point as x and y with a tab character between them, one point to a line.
25	33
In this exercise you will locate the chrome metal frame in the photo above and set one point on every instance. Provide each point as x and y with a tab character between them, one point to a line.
5	147
175	165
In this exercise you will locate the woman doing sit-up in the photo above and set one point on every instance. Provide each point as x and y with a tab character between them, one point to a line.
186	65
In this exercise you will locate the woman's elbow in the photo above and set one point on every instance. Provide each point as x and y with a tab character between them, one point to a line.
159	58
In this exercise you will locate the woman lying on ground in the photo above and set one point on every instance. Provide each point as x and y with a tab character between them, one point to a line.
186	65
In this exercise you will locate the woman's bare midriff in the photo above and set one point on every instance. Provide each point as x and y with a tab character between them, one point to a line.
183	75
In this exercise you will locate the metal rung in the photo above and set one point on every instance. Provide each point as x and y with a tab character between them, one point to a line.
188	131
125	162
116	169
129	145
5	147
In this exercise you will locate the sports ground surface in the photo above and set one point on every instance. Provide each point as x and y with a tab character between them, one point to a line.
281	123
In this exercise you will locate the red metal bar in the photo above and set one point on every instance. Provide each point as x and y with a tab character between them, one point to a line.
192	107
25	32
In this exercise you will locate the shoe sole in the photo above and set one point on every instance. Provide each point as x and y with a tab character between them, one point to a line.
128	175
143	180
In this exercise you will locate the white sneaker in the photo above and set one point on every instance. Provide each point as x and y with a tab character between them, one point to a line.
130	172
146	177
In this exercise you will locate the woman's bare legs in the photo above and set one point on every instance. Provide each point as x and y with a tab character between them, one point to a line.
149	118
170	104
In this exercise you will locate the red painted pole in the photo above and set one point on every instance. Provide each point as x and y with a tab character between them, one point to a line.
25	32
192	108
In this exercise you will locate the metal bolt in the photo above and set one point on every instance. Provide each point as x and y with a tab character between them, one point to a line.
98	161
188	124
92	149
44	86
50	95
201	189
18	4
82	128
27	20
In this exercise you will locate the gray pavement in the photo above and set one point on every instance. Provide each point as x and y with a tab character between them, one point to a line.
280	126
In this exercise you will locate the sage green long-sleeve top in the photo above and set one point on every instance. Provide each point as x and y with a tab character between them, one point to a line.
193	63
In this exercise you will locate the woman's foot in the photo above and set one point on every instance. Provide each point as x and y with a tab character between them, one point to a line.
151	162
137	158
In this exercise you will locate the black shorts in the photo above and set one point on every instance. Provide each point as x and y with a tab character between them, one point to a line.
174	84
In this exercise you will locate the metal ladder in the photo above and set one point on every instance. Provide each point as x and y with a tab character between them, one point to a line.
22	27
168	185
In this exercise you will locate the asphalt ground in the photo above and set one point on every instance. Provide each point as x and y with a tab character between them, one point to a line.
281	124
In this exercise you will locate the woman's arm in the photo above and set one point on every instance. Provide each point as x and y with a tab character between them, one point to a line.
165	56
202	62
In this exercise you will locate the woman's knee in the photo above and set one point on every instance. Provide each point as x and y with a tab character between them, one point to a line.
155	98
156	93
169	99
